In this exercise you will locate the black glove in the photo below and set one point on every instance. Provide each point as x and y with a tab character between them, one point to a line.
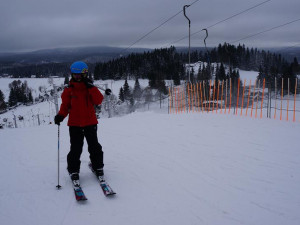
88	83
58	118
107	91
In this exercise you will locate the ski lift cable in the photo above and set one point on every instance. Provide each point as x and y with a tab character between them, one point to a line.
141	38
221	21
265	31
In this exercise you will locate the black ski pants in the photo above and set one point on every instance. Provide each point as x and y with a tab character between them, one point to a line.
77	135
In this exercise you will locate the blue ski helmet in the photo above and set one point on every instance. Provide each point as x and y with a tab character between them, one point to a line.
79	67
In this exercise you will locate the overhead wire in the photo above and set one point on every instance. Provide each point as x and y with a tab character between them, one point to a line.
145	35
221	21
210	26
265	31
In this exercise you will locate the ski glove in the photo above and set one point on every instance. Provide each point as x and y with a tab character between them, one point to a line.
108	91
88	83
58	118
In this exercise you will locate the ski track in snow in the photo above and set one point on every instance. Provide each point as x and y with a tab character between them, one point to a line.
166	169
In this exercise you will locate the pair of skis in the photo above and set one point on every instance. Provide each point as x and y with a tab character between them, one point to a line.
79	194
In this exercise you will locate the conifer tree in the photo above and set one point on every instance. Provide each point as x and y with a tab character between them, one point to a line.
137	91
176	78
121	95
126	90
30	98
12	99
222	74
66	81
3	105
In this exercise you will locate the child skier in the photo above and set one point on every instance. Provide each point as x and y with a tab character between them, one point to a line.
78	101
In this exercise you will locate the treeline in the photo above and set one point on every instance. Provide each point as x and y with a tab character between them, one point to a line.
171	64
157	65
168	63
39	70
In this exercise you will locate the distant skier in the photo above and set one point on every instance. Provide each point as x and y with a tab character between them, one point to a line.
78	101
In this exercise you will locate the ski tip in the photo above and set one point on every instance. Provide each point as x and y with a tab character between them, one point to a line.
81	199
111	194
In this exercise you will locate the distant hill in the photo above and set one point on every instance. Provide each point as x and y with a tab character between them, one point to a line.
96	54
63	55
288	53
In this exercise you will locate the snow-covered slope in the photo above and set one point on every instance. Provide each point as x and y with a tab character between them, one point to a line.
195	168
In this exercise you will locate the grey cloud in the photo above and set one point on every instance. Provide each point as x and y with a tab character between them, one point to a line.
36	24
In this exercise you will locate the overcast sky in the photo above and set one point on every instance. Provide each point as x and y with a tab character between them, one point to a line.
27	25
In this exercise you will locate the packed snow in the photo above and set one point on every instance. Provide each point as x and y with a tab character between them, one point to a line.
187	168
166	169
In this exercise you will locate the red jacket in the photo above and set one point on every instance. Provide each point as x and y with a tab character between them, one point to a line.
78	101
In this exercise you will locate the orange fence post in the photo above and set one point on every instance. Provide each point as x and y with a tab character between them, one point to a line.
249	91
262	98
184	99
229	97
198	97
253	96
281	98
192	97
170	100
204	96
189	101
217	105
209	95
275	98
226	98
214	97
243	97
222	95
294	118
257	99
201	96
287	110
195	97
178	100
238	95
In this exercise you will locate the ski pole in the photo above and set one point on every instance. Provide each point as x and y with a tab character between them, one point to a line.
58	186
